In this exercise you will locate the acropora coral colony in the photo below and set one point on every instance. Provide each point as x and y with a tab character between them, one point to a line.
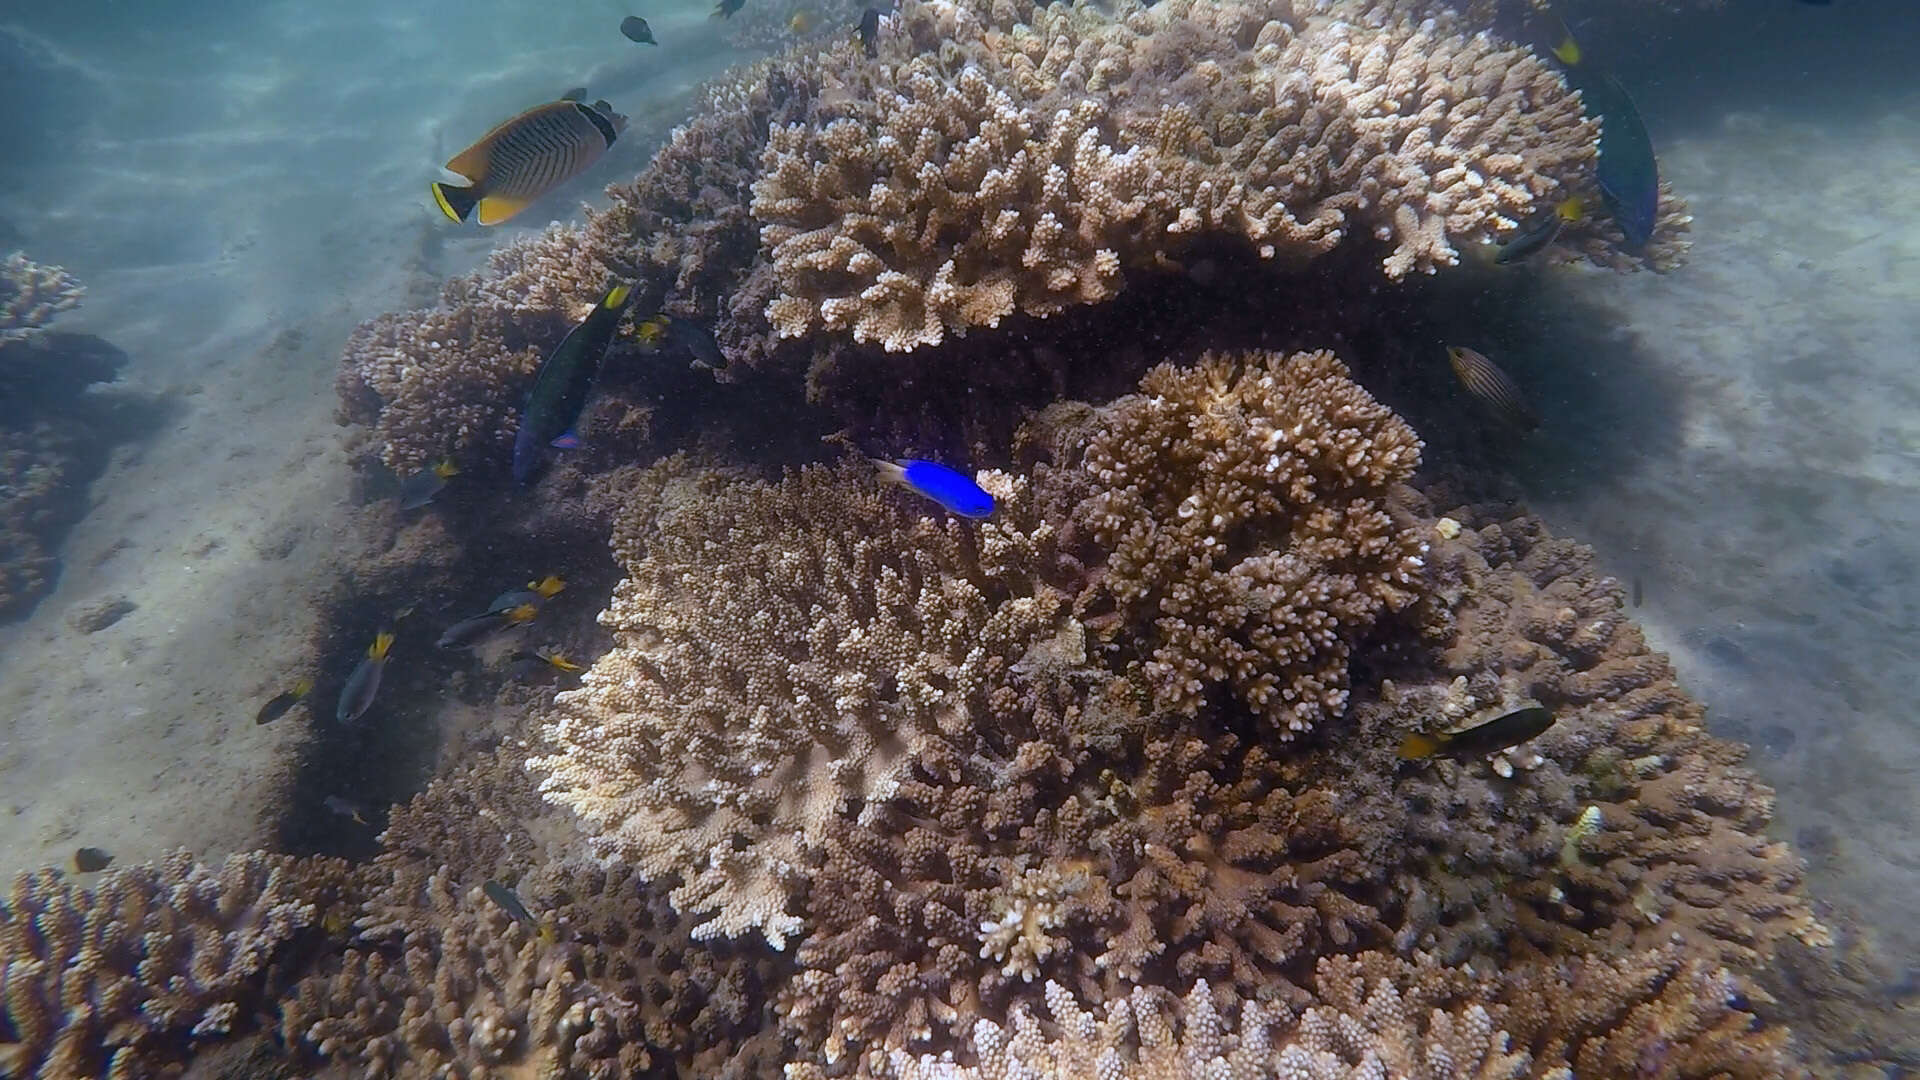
1105	785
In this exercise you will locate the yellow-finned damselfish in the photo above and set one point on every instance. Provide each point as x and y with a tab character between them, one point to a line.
527	156
565	380
356	697
419	489
283	702
1541	229
1498	734
536	593
470	632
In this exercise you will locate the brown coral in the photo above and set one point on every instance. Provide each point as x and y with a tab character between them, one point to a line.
129	976
31	294
1243	512
993	164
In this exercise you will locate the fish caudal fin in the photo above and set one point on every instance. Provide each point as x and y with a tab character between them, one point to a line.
382	641
1564	47
566	440
1416	747
453	201
616	297
495	209
891	472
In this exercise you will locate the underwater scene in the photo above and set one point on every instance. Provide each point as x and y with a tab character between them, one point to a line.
960	539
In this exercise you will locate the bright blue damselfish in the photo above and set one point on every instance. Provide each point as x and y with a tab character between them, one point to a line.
950	488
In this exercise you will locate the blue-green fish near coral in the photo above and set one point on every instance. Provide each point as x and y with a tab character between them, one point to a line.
950	488
364	684
565	380
1628	173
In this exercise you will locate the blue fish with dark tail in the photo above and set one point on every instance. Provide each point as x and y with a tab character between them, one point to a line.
950	488
565	380
1628	173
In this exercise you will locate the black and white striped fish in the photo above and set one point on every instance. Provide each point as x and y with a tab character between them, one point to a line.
1492	386
526	157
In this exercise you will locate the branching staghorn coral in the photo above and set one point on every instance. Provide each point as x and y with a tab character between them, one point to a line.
1243	512
128	976
990	163
31	294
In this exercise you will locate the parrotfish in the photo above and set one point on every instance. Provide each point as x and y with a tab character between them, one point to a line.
950	488
527	156
1500	733
283	702
1540	230
1628	173
565	380
637	31
470	632
419	489
357	696
1484	380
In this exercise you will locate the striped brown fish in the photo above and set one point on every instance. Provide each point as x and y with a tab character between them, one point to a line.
526	157
1492	386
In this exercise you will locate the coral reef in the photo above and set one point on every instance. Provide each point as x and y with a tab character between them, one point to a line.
441	980
1243	516
31	294
1644	1014
990	164
127	977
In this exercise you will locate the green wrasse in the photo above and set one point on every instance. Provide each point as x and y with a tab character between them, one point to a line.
357	696
565	380
1628	173
1498	734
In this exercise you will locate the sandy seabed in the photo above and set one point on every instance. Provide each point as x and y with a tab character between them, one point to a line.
1764	432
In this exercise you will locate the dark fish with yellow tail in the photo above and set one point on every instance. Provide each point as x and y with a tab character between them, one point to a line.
526	157
87	860
1541	230
467	633
540	667
420	489
1628	173
509	902
1484	380
635	29
283	702
869	32
536	593
364	684
1501	733
565	380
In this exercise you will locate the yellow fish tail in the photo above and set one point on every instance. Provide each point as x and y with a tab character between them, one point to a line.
446	470
522	614
1571	210
616	297
548	587
301	689
1416	747
1567	49
382	641
455	202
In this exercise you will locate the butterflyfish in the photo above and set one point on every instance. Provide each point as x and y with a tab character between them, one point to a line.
1500	733
1484	380
283	702
636	30
565	380
357	696
1541	230
419	489
950	488
527	156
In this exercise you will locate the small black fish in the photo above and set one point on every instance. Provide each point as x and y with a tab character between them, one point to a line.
89	859
509	902
1498	734
725	9
637	31
1484	380
283	701
870	32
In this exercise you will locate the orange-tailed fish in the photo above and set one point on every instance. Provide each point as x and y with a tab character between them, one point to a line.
283	702
1484	380
561	387
527	156
1498	734
357	696
1540	230
419	489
